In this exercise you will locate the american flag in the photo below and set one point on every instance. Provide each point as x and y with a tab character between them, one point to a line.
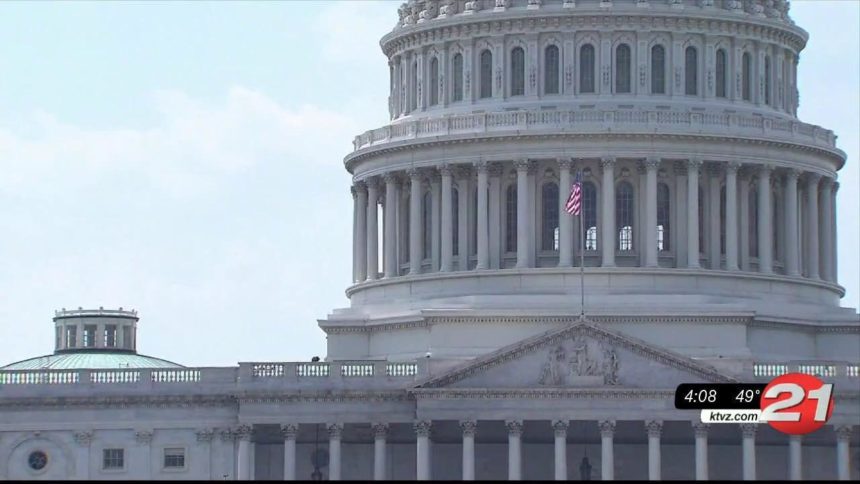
574	201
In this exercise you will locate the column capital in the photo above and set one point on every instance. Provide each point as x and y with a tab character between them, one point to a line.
843	432
422	428
83	438
701	429
793	173
289	431
360	186
481	166
835	187
733	167
380	430
651	163
372	182
205	435
560	427
654	428
827	183
353	191
515	427
522	164
415	174
765	170
143	436
812	178
607	428
469	427
335	430
565	163
390	177
748	430
607	162
446	169
694	163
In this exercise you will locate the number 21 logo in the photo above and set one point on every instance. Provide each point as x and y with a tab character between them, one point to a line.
797	403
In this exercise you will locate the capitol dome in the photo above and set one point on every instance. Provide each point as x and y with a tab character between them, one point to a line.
706	202
91	339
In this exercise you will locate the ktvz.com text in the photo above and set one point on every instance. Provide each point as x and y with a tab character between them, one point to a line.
732	416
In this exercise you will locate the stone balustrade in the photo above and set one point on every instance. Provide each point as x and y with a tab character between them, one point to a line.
597	121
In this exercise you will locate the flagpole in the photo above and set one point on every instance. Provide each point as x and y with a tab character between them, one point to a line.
581	253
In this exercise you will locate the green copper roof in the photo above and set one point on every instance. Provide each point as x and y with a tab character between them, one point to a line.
90	360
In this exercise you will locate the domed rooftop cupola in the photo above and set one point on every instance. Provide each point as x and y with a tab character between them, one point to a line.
93	338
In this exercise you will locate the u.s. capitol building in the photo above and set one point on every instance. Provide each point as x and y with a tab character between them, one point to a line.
709	237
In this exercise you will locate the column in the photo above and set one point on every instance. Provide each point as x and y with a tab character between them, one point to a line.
372	230
748	433
355	210
608	212
463	191
654	428
679	238
144	439
744	219
701	432
651	166
531	219
82	460
522	213
244	460
732	216
470	428
435	221
792	244
607	461
390	226
483	219
565	220
834	253
447	219
843	458
380	433
334	433
765	221
415	239
422	447
826	230
713	185
515	432
795	459
559	428
495	211
289	432
812	225
693	213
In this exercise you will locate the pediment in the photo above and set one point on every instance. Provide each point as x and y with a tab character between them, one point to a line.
581	354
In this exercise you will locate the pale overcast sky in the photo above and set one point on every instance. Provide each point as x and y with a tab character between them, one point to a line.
185	160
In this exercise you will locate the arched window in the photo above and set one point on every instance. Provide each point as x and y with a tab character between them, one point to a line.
486	74
746	69
589	215
622	68
550	70
658	70
624	215
433	87
457	91
721	73
413	102
664	235
753	218
586	68
518	71
455	221
549	216
511	219
427	223
691	71
767	78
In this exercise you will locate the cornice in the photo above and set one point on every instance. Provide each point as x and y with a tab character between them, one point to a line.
122	401
713	22
613	393
344	396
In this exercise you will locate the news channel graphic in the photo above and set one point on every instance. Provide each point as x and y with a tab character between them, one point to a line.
794	403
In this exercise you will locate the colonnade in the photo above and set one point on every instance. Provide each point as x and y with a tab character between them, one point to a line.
715	224
652	429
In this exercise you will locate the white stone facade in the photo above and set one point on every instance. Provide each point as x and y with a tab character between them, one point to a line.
709	242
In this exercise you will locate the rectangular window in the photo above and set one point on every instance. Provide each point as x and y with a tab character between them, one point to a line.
126	338
174	458
113	459
59	332
110	335
71	336
90	336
